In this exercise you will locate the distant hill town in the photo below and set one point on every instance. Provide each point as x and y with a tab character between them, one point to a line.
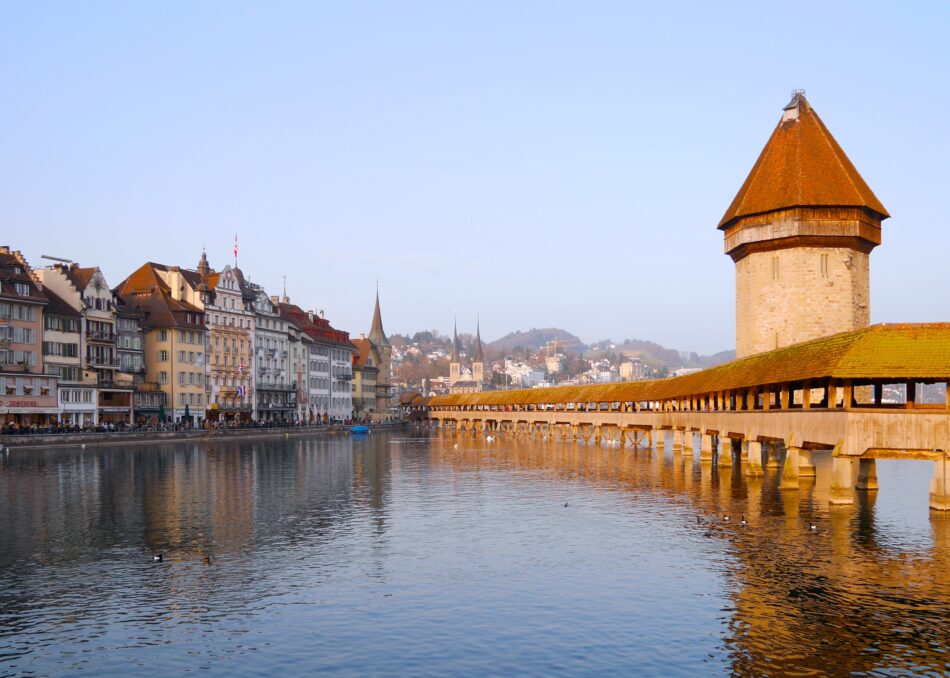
540	357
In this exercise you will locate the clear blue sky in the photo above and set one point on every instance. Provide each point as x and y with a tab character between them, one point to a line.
544	164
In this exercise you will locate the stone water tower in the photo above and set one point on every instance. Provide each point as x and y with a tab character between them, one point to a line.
800	232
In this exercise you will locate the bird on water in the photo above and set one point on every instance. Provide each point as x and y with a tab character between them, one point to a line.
743	521
158	557
725	517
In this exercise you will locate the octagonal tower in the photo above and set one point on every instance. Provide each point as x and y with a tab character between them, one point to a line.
800	232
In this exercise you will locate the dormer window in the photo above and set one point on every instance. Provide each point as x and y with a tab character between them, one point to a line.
22	289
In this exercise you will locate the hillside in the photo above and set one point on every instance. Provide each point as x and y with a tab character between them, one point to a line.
535	339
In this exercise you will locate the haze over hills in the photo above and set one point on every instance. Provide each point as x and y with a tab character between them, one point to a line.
535	339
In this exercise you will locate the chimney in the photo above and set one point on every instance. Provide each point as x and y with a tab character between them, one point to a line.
275	300
362	336
310	315
321	313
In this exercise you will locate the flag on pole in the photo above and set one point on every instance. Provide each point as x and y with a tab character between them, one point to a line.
235	249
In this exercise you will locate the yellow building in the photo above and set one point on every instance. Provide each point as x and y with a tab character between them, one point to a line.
175	339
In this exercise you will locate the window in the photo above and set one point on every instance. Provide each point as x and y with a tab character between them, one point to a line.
163	377
163	335
181	356
181	378
775	271
163	356
23	289
824	265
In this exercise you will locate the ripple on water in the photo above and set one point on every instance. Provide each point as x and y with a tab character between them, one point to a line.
400	555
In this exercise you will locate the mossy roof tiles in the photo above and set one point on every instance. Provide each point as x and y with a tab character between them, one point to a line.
801	166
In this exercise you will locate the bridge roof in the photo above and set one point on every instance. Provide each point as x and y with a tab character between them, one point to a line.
886	352
801	166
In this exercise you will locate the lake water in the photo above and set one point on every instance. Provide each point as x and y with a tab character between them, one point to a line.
398	554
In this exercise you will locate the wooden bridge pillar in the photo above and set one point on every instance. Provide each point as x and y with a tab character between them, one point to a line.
659	438
772	452
688	441
752	453
939	484
677	441
705	447
867	475
724	457
842	483
806	464
789	479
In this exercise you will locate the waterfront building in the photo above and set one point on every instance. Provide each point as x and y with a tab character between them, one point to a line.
228	305
275	385
85	289
77	393
632	370
299	356
329	369
800	231
174	345
28	396
384	386
366	361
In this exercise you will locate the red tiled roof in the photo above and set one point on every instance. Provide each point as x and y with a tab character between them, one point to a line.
801	166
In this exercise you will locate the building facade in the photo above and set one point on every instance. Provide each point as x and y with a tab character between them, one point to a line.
85	289
28	396
174	346
78	392
275	388
800	232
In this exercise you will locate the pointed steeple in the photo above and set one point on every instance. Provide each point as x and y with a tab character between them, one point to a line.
801	166
376	334
455	343
477	355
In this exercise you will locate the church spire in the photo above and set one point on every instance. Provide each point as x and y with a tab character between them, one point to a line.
376	334
477	356
455	342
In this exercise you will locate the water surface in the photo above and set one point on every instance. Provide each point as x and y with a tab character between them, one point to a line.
400	555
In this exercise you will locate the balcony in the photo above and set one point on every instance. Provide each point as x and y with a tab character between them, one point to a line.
104	337
100	362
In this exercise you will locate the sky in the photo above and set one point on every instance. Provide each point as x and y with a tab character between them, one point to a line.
535	164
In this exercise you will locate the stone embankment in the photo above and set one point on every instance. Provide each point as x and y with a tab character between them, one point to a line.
35	441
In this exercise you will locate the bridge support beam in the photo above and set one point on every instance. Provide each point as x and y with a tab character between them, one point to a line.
752	453
705	447
842	484
789	479
725	452
806	465
677	441
659	438
688	441
939	484
867	475
772	452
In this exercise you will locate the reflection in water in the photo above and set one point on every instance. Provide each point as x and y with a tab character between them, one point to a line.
395	554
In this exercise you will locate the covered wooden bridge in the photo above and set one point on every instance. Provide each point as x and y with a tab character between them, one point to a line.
879	392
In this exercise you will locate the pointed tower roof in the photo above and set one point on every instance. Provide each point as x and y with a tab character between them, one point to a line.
376	334
455	343
801	166
477	355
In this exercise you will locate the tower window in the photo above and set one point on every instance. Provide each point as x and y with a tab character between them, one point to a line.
824	265
775	271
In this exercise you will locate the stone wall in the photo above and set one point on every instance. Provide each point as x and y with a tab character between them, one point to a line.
788	296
